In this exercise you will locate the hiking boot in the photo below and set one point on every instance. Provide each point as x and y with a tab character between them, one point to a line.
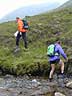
50	79
17	49
62	75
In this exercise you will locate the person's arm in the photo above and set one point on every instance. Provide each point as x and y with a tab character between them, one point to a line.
62	52
21	29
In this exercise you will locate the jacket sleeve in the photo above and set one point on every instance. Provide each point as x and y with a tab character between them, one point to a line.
62	52
21	29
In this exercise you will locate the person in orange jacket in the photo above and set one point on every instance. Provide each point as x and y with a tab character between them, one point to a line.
21	32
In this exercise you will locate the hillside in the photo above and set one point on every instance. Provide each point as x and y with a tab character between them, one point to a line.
68	4
44	29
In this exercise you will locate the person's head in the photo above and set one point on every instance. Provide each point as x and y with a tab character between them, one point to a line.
58	41
17	18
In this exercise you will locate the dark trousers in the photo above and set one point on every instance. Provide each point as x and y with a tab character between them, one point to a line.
23	37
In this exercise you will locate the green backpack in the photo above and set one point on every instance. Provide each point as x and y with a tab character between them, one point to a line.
25	24
51	50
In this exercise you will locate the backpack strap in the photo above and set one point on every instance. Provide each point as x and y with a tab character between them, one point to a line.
56	53
54	48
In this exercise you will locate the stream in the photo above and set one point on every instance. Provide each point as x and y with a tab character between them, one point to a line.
33	86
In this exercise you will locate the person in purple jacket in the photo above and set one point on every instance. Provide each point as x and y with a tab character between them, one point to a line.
56	59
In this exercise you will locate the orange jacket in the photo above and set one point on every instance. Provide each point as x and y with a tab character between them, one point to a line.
20	26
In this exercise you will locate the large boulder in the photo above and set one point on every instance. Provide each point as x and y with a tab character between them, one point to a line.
59	94
69	84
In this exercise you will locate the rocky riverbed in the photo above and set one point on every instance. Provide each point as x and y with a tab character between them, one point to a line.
35	86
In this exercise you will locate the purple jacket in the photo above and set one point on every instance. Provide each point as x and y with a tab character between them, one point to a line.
60	51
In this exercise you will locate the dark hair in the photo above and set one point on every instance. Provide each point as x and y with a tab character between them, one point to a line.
17	17
58	40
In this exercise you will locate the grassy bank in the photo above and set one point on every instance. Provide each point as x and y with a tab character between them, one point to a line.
44	29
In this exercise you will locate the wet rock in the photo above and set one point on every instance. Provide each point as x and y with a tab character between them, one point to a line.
61	83
8	77
47	89
43	91
69	85
37	93
66	80
23	86
59	94
5	92
1	72
35	83
26	76
2	83
53	83
55	76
